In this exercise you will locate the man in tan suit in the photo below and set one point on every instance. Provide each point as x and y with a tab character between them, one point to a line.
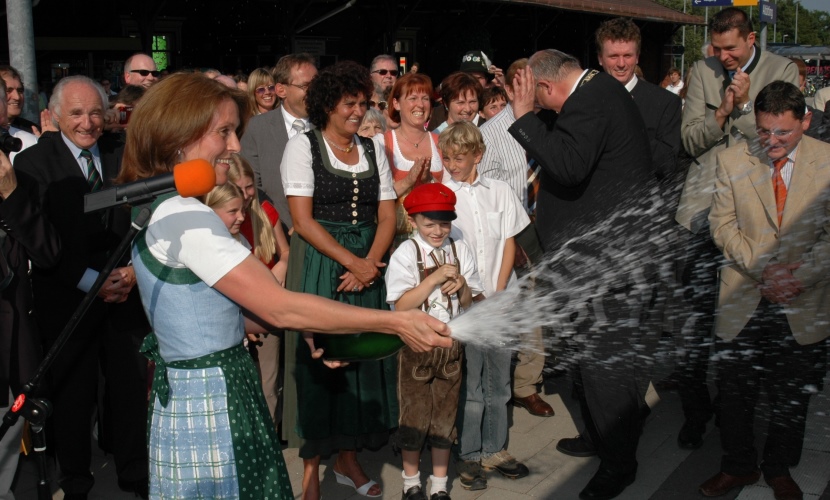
718	114
771	219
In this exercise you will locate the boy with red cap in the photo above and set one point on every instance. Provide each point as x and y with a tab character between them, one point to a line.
438	275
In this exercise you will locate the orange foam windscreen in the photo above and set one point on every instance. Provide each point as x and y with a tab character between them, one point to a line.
194	178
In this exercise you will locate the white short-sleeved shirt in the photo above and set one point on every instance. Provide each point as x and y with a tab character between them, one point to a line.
184	233
405	165
488	213
298	176
402	274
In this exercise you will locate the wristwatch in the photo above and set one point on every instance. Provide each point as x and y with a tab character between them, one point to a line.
746	108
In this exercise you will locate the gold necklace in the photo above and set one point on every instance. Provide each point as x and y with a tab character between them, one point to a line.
347	149
414	143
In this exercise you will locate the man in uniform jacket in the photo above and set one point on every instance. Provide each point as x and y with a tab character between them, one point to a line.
595	162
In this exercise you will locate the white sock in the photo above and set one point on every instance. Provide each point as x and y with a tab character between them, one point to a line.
438	484
409	482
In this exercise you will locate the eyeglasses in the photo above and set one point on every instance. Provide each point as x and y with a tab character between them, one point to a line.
778	134
304	88
262	90
381	105
145	72
384	72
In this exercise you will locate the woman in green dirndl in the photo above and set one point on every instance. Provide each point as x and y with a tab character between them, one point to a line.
342	201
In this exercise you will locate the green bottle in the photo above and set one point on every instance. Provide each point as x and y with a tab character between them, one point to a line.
365	346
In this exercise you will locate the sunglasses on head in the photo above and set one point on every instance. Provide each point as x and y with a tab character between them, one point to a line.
384	72
381	105
261	90
145	72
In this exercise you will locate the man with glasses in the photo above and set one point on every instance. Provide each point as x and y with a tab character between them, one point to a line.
263	144
267	134
718	114
769	220
384	72
140	69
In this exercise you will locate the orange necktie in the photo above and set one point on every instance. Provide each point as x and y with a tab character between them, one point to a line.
779	187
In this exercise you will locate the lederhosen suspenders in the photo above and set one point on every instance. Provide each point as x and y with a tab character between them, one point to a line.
423	272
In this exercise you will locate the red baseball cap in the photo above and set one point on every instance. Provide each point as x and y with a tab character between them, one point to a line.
433	200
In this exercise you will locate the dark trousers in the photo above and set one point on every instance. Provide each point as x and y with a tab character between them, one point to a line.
97	344
700	289
610	397
786	368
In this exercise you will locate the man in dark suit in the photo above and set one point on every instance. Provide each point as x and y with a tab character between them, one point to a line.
25	235
595	161
267	134
618	51
66	166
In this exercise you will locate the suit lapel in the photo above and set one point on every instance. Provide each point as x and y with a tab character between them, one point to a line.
801	186
67	161
279	134
761	179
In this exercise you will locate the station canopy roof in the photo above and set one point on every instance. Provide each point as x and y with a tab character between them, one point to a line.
637	9
803	51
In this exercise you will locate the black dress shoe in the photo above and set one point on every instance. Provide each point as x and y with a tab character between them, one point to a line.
75	496
691	435
141	488
414	493
606	484
576	447
441	495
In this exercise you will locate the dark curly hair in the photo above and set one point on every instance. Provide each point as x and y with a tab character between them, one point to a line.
346	78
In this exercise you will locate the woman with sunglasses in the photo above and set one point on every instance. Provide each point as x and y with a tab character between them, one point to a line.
262	91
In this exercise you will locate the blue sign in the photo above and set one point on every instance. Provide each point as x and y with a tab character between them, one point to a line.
712	3
768	12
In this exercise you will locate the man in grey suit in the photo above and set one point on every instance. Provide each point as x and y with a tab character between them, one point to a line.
718	114
267	134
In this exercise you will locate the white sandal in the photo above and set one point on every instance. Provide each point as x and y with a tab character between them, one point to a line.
362	491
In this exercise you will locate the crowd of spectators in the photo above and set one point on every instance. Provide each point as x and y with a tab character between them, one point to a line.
229	303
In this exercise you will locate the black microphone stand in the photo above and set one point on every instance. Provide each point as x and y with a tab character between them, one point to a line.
37	410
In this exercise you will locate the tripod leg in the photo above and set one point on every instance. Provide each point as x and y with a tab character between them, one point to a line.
44	491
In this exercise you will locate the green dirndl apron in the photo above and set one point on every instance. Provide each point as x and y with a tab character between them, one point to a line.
346	408
225	445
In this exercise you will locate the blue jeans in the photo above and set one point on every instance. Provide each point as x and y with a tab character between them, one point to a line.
482	406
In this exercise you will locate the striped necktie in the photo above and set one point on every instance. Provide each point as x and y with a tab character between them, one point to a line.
779	187
93	178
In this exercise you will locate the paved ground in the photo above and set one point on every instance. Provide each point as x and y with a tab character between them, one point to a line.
666	472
